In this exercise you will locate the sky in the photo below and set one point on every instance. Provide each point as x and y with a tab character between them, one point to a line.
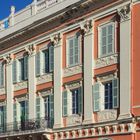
6	4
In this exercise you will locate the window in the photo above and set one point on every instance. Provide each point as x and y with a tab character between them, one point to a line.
20	69
45	61
106	39
73	51
1	74
2	118
105	95
45	109
72	101
21	113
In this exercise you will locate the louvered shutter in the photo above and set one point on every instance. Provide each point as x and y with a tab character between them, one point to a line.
71	52
45	61
1	74
38	108
110	38
37	63
96	97
103	40
51	58
76	50
26	110
25	67
14	71
1	119
51	97
65	102
80	100
42	62
115	92
5	117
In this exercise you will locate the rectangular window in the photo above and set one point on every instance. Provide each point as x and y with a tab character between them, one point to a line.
106	95
72	101
45	61
2	118
106	39
23	68
73	51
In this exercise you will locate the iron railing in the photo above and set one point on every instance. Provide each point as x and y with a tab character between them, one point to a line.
27	125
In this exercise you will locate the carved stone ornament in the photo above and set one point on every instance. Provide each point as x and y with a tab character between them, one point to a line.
55	39
8	59
30	49
124	12
86	27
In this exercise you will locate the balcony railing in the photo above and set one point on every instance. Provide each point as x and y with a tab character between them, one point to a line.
26	126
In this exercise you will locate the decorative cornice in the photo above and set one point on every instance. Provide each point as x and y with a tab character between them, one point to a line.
124	12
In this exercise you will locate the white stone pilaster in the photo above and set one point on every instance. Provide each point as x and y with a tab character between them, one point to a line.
125	62
31	81
88	72
57	82
9	89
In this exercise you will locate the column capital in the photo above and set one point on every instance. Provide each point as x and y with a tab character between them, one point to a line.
31	49
124	12
86	26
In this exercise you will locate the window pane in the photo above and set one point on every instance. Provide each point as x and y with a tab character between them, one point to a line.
110	29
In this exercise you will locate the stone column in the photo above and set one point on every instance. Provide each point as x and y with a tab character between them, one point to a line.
31	81
88	71
57	81
125	62
9	88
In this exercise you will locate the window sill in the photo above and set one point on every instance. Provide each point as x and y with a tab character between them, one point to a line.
106	61
20	85
72	70
107	115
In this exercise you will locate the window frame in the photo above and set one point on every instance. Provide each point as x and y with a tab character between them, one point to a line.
100	27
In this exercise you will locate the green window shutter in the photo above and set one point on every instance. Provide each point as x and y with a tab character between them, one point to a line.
115	92
14	71
65	102
38	63
5	117
51	96
26	67
96	97
51	58
80	100
26	110
1	74
37	107
76	50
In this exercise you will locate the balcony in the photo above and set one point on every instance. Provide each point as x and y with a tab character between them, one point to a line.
26	127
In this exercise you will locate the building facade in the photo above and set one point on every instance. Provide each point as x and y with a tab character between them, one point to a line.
69	70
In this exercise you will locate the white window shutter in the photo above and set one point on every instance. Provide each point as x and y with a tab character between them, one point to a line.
98	96
18	71
1	74
42	62
14	71
71	52
38	63
65	102
42	107
25	67
51	58
69	102
115	92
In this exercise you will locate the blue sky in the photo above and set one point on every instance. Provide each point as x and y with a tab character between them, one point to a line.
6	4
